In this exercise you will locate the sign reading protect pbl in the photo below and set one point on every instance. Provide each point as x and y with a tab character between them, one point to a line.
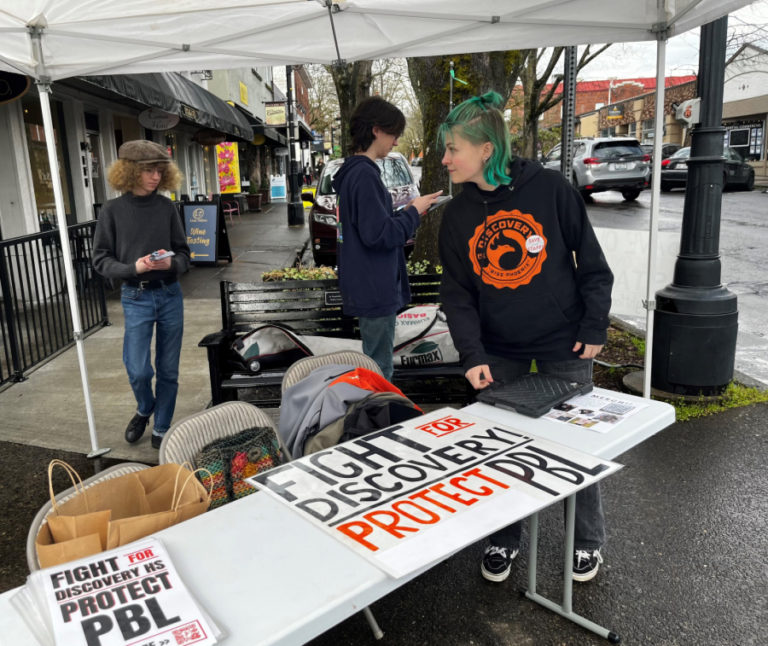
131	595
411	494
201	222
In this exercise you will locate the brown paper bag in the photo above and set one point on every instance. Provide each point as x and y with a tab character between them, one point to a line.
50	553
126	530
65	528
138	503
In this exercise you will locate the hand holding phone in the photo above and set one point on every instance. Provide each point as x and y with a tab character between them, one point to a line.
439	202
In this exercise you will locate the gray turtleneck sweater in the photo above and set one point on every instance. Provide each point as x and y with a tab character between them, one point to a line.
132	226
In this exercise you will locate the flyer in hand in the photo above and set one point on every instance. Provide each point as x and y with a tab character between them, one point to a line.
129	595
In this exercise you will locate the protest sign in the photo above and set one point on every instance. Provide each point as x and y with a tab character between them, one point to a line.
130	595
411	494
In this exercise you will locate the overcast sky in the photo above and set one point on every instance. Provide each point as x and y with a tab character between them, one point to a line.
633	60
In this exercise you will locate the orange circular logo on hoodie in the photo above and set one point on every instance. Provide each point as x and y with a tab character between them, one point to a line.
508	249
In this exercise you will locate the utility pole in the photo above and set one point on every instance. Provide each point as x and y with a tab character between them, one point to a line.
696	317
295	205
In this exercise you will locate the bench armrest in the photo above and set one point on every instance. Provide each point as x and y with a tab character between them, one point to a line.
214	339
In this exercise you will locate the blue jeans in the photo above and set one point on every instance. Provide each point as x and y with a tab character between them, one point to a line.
589	532
144	309
378	334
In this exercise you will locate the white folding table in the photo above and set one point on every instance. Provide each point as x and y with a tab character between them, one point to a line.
247	558
654	417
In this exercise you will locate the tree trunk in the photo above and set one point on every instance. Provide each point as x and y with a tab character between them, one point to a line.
353	83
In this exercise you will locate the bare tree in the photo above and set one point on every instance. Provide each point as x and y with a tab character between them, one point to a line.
353	84
542	89
323	102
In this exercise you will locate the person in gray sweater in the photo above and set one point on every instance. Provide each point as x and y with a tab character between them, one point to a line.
140	240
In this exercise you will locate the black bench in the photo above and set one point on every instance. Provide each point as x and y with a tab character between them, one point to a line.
310	307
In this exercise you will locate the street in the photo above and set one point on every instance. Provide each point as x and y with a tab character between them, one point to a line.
743	240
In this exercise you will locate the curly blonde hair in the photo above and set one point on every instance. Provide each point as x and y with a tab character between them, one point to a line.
124	175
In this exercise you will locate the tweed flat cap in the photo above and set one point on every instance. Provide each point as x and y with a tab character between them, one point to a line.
142	151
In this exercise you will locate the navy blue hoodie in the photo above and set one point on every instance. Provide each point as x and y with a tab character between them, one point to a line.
523	273
372	275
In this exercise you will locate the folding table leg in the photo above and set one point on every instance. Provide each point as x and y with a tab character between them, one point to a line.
377	632
564	610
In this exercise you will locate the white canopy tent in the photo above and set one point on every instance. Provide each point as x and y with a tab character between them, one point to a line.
55	39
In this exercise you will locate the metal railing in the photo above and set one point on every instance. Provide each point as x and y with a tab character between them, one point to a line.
35	317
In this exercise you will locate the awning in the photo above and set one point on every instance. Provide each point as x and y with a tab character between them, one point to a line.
176	94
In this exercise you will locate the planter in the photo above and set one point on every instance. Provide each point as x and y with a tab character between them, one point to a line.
254	201
264	192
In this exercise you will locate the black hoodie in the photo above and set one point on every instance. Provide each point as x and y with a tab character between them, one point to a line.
523	273
372	275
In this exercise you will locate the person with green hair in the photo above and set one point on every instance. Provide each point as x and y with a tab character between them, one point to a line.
524	279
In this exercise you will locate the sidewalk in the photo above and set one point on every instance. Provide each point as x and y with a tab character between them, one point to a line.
48	409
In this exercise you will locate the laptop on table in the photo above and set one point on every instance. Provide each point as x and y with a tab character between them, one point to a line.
532	394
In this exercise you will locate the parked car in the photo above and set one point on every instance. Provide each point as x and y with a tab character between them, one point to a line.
667	150
606	164
397	177
736	174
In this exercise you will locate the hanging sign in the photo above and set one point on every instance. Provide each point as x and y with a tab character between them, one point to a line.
200	220
274	114
228	165
156	119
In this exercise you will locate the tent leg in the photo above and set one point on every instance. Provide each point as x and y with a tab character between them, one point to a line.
658	136
45	106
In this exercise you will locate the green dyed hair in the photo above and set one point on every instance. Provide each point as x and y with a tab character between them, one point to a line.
478	120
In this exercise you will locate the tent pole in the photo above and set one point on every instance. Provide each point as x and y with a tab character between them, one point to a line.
658	136
44	88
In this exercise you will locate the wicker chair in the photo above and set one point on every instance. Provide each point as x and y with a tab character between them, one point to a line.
47	508
296	372
185	438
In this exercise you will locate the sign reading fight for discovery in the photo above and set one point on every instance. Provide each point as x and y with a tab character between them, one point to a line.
414	493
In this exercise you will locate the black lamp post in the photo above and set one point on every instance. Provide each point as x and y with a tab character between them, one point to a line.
696	318
295	205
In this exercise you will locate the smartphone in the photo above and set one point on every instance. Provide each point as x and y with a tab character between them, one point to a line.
156	255
440	201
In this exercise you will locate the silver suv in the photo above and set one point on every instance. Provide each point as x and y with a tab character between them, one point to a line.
606	164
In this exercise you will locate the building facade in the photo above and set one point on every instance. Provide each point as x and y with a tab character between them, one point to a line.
92	117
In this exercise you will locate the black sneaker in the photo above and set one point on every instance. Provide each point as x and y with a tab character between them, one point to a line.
136	428
586	563
497	562
157	440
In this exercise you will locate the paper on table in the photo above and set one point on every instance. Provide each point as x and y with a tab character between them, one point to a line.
595	411
132	594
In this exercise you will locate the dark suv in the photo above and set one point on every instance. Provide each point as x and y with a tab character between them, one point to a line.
397	177
606	164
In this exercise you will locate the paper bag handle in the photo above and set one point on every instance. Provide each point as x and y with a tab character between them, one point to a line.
176	501
74	476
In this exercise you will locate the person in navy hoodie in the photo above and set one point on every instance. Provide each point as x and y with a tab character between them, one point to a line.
371	237
524	279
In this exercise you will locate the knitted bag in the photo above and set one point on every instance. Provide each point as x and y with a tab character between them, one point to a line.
235	457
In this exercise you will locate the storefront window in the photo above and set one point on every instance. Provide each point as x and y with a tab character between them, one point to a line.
209	169
746	138
648	130
38	159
